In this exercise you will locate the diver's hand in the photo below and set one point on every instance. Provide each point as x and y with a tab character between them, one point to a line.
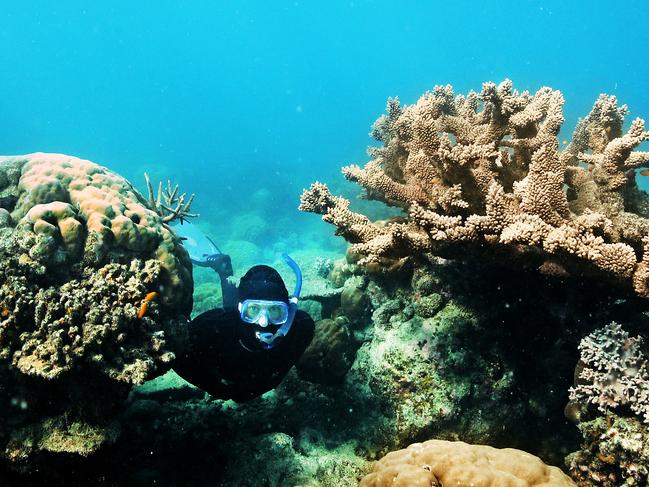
221	263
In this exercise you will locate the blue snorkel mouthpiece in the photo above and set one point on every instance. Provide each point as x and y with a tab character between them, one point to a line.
268	339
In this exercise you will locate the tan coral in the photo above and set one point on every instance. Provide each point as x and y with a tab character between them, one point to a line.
486	168
584	237
84	205
444	463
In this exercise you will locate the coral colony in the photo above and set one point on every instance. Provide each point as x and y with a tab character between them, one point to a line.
94	288
487	168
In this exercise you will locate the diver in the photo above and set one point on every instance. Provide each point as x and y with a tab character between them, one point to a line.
245	348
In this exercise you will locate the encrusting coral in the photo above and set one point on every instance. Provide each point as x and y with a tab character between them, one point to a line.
95	291
439	463
486	168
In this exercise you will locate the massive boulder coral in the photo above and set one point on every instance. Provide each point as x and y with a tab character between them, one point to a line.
439	462
95	290
330	354
487	168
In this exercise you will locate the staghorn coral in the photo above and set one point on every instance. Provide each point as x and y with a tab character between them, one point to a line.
168	203
439	462
486	168
95	291
613	372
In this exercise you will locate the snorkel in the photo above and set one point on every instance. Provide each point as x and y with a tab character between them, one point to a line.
268	339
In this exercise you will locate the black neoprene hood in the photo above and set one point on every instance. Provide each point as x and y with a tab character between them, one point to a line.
262	282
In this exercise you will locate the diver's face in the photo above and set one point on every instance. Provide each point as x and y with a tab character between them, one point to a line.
260	320
262	312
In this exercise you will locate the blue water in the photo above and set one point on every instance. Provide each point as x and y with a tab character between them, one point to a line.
230	97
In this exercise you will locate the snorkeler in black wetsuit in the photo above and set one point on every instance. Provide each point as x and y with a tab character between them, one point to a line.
247	347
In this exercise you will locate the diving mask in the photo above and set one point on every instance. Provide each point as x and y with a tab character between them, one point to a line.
262	312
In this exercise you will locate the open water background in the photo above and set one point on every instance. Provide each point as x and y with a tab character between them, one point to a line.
231	97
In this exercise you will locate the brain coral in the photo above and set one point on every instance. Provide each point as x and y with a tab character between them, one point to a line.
441	463
94	294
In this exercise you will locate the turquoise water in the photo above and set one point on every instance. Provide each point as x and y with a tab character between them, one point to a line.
245	104
229	97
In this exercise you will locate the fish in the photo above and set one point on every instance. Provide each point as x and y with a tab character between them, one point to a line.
644	172
144	307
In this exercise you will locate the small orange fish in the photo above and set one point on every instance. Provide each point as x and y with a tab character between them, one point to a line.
644	172
144	307
150	296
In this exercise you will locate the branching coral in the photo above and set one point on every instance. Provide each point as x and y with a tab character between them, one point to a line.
487	168
168	203
613	372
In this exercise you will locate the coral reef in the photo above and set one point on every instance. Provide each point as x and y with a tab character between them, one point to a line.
330	354
95	291
613	372
487	193
438	463
413	343
615	453
484	172
453	375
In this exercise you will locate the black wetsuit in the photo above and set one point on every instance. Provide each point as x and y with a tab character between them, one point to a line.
227	361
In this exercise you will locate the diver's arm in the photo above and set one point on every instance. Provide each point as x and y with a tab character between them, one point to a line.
229	292
222	265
